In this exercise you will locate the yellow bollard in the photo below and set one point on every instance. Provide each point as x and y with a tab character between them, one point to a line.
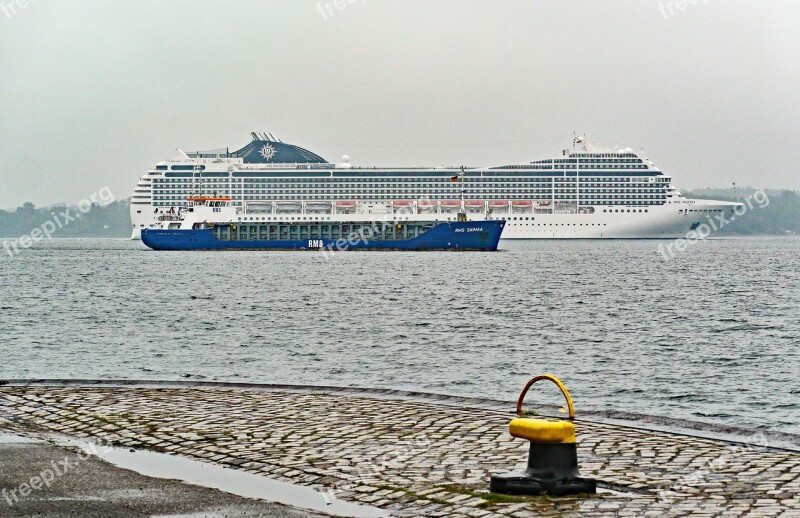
553	458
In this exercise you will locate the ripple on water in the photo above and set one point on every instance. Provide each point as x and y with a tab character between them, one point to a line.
624	329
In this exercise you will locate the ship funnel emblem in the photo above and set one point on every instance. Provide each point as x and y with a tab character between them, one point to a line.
267	151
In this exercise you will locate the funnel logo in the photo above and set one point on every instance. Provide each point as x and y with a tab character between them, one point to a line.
267	152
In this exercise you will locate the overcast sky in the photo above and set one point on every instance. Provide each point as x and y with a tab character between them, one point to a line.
96	92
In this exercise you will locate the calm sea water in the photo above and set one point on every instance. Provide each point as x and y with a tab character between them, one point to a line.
712	335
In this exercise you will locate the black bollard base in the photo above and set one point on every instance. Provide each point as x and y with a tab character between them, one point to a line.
522	484
552	469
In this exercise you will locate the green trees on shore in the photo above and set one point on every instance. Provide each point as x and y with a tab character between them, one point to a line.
112	220
781	216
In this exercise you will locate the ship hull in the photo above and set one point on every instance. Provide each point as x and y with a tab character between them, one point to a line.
456	236
670	221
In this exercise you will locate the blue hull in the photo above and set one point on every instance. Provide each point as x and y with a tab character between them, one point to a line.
455	235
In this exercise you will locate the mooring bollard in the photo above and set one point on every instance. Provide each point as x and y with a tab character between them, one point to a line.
553	458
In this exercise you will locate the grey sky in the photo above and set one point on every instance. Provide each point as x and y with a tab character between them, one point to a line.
96	92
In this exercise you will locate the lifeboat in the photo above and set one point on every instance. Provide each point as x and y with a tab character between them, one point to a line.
203	199
404	206
521	206
346	207
426	206
474	206
498	206
260	207
450	206
288	207
318	207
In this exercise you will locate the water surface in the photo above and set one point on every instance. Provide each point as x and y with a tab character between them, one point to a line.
711	335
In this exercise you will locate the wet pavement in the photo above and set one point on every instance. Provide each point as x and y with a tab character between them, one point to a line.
411	456
40	479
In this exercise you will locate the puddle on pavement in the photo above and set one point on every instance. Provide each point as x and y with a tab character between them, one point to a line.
618	491
162	465
10	438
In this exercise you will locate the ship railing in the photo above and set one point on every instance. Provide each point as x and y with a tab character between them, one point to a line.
256	167
170	217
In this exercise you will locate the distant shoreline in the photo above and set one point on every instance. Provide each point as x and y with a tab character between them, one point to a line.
779	218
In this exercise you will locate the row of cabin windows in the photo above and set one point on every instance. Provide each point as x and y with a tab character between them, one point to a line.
599	198
468	179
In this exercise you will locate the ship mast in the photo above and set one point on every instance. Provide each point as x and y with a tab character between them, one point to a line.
462	212
461	179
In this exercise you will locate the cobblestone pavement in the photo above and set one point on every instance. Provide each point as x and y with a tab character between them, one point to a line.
412	457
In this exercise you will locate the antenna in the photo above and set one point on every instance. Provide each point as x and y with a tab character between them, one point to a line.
462	213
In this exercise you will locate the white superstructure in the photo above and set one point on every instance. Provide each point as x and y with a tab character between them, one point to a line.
587	192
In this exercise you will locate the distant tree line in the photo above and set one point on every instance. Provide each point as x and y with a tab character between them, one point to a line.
112	220
781	216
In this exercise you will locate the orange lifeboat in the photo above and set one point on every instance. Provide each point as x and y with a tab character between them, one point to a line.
201	199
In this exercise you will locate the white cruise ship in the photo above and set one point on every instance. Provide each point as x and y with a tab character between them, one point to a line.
586	193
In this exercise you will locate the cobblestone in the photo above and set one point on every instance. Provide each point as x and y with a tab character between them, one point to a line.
413	458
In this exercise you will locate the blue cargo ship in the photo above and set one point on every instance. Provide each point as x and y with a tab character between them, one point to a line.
210	223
